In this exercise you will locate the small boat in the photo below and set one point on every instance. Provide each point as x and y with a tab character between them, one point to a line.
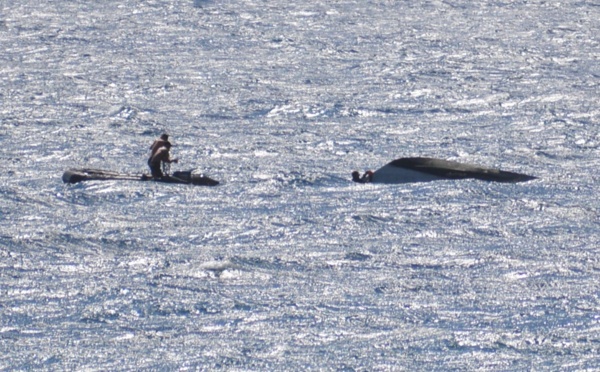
407	170
181	177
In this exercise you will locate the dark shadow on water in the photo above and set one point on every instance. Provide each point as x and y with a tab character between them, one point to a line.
201	3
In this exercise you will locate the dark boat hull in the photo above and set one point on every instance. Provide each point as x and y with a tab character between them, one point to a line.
88	174
446	169
407	170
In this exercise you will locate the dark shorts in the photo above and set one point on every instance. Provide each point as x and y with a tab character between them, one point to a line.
155	170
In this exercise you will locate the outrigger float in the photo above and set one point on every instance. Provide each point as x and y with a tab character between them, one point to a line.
181	177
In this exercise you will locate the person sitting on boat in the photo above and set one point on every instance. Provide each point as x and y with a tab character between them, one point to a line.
160	156
158	143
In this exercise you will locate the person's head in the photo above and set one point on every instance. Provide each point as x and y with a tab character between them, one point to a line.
164	137
355	176
167	145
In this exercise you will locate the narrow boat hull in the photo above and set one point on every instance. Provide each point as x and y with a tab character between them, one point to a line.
407	170
88	174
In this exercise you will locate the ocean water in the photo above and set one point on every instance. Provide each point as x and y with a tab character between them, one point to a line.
288	265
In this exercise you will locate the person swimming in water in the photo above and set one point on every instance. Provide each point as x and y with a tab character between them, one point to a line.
366	178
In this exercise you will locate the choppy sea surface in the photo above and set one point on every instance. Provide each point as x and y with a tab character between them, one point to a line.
288	265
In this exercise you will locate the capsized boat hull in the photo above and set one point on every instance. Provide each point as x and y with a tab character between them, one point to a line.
407	170
89	174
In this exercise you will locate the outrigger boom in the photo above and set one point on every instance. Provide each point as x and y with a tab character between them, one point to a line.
88	174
